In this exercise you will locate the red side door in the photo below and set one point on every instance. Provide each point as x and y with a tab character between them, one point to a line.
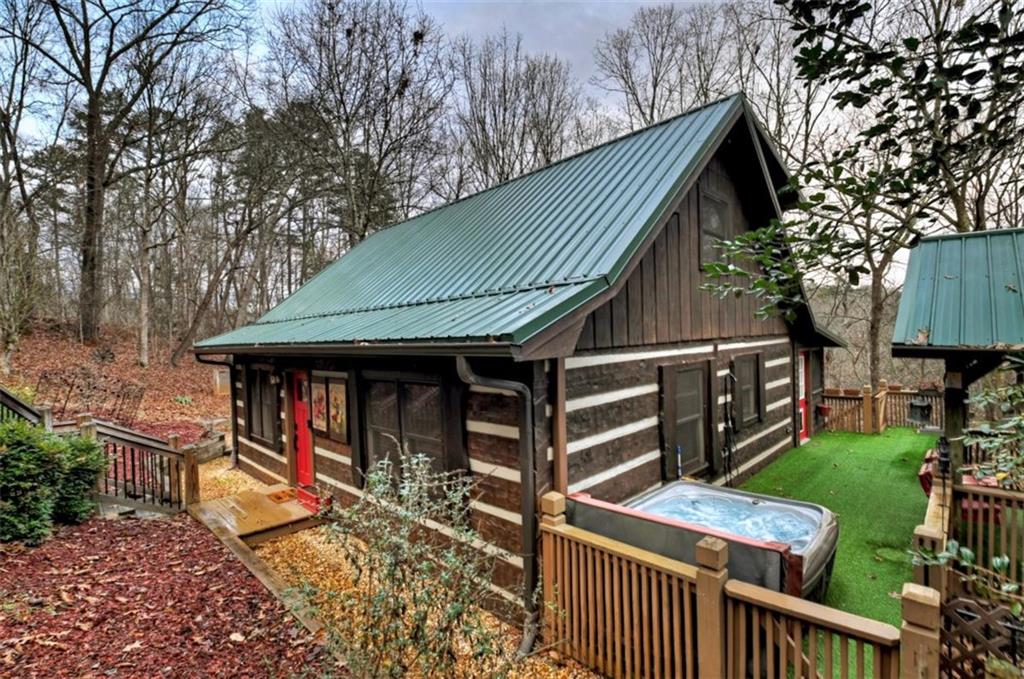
803	388
303	434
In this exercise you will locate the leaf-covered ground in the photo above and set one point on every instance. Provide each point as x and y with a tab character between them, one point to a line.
142	598
175	399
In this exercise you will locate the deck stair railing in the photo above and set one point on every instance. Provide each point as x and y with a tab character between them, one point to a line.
624	611
143	471
13	408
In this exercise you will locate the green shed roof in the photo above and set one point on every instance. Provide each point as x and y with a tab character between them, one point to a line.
963	291
503	264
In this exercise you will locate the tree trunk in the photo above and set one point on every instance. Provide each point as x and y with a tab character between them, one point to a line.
144	291
89	296
875	327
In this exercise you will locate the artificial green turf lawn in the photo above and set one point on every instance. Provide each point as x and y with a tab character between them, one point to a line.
870	482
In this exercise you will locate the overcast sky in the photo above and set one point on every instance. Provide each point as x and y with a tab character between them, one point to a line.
566	28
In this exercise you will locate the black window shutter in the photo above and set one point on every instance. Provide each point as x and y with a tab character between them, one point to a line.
669	468
734	389
761	391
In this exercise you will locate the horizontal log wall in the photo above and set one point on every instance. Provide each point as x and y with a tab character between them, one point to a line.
613	413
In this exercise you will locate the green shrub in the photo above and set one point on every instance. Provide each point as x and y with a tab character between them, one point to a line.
413	607
81	461
30	467
44	477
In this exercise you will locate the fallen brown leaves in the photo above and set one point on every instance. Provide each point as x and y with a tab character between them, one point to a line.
311	558
217	479
141	598
175	400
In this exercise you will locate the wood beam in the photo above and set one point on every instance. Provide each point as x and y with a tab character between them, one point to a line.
559	436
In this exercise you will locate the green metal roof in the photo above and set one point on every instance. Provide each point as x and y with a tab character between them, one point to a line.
963	291
503	264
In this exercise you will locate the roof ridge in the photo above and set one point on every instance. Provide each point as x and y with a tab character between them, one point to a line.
583	152
970	234
499	292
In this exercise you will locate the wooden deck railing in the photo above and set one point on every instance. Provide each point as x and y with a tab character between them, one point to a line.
778	636
625	611
861	411
13	408
846	411
991	524
144	471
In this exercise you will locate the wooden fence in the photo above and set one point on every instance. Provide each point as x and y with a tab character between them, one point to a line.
861	411
142	471
13	408
989	522
625	611
145	471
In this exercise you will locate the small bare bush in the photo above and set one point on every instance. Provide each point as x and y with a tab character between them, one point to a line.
414	607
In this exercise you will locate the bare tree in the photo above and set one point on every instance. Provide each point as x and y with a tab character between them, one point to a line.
375	77
19	228
640	65
110	52
515	112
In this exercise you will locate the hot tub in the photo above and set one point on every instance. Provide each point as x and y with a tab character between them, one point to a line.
810	531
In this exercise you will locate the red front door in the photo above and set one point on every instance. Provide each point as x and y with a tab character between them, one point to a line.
303	435
803	387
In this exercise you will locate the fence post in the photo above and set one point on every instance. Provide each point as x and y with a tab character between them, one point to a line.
552	508
919	634
868	422
881	411
191	470
712	556
930	539
86	426
46	417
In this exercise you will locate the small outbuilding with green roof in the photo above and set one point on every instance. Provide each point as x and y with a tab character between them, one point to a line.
551	332
962	303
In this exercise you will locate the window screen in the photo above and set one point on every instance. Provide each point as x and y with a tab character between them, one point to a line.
404	413
263	406
748	389
714	220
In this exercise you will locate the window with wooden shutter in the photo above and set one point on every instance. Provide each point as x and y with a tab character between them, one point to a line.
263	407
749	393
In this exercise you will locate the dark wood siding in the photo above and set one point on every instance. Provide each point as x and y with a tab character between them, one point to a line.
662	301
663	316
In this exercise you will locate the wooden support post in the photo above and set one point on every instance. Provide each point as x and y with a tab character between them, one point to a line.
46	417
712	557
919	634
86	426
191	476
954	402
559	437
552	508
868	423
882	406
930	539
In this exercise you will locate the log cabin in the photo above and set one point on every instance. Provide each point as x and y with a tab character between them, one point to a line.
550	332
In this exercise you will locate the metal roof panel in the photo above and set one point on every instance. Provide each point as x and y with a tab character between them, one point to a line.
575	222
964	291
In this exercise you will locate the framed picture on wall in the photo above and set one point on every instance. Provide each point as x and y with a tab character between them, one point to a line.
318	405
338	409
